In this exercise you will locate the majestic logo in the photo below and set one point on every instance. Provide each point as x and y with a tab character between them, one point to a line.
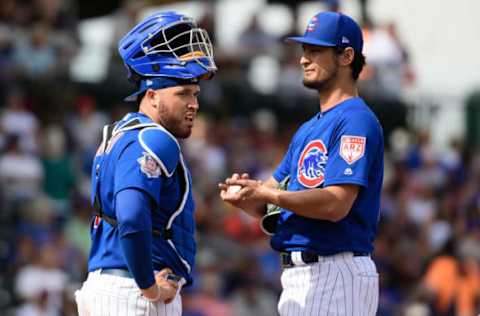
352	148
149	166
311	165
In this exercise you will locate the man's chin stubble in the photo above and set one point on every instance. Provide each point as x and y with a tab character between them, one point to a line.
313	85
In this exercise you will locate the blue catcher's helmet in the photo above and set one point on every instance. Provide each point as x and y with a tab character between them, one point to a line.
166	44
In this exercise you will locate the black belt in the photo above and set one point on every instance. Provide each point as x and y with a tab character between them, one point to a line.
165	233
308	257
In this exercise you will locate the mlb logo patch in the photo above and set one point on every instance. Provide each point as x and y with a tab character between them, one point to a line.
352	148
149	166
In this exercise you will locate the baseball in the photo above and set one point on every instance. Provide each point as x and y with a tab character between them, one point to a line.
233	189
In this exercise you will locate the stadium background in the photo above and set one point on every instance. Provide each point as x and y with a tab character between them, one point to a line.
61	80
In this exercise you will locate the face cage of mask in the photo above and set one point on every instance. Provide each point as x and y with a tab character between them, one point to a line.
199	45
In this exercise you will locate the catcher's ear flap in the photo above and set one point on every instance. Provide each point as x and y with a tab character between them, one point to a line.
269	221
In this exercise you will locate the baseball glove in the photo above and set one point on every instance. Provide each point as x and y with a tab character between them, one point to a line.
268	223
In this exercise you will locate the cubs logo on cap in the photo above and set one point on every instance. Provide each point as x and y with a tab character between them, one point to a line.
311	165
312	24
331	29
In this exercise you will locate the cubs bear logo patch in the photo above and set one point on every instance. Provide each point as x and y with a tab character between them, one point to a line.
311	165
149	166
352	148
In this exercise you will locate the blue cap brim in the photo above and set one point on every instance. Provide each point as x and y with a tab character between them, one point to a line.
159	83
309	40
133	97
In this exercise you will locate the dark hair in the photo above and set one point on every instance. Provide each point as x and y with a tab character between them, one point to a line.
140	97
137	80
357	63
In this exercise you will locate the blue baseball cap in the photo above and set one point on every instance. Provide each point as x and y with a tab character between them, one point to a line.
331	29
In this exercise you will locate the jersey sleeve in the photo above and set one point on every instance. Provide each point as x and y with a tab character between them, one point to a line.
134	227
354	146
283	168
143	162
137	169
162	146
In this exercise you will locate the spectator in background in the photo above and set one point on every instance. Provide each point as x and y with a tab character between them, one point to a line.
16	119
58	14
421	151
252	299
26	252
207	301
388	70
251	296
255	41
37	305
420	203
35	219
60	18
6	58
21	174
386	76
77	227
35	55
189	307
59	180
125	18
207	22
290	87
264	141
365	16
452	281
41	283
205	154
7	10
90	121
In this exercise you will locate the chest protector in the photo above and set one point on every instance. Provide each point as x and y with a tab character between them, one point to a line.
175	233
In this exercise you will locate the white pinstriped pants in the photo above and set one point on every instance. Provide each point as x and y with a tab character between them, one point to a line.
110	295
339	285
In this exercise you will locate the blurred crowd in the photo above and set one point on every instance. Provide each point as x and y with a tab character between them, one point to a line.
428	248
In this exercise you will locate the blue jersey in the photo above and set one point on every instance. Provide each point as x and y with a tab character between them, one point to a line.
343	145
144	156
